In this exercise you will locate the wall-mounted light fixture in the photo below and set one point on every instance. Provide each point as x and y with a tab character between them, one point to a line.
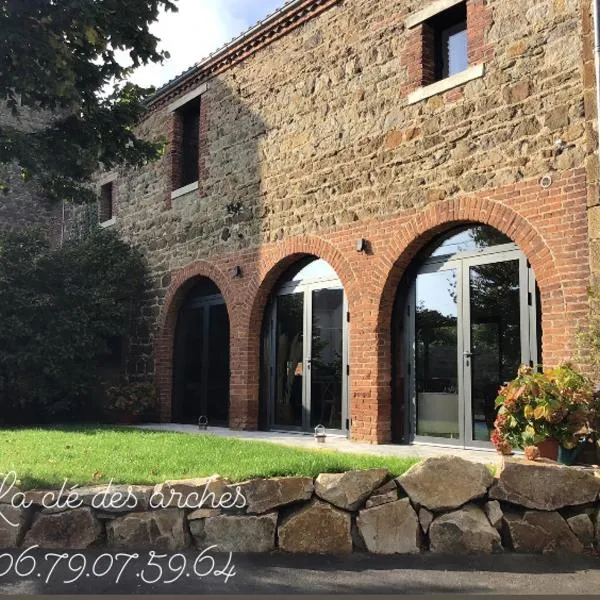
237	272
361	245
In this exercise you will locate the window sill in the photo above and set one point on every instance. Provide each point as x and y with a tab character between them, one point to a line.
108	223
182	191
474	72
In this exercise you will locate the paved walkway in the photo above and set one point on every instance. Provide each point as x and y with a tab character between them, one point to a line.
333	442
277	574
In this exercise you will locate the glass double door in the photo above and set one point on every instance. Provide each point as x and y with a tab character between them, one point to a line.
473	322
202	363
308	362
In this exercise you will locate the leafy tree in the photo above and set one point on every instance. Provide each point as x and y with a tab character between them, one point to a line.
60	313
60	56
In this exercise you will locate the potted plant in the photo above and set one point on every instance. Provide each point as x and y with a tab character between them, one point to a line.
131	402
550	410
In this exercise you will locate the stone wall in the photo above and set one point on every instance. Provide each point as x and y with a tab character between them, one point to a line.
21	203
310	143
444	505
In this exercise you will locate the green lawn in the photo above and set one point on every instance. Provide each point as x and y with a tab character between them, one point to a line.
44	457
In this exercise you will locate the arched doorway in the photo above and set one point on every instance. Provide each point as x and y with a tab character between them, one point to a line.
201	357
305	351
466	317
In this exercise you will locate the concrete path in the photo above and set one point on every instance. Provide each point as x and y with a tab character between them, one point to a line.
300	574
333	442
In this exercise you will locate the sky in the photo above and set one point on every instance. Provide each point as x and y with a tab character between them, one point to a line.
199	28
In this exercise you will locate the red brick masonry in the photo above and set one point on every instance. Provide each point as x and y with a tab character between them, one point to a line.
550	226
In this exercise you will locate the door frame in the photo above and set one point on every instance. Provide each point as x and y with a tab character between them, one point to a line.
306	288
461	263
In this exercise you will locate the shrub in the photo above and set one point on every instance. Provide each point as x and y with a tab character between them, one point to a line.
132	401
60	312
535	406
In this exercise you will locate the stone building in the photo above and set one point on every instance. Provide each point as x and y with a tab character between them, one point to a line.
21	203
368	215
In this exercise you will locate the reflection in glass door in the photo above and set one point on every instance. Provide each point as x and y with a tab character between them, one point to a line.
472	323
492	339
326	358
436	349
289	362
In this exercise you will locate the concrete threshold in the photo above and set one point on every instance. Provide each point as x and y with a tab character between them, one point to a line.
338	443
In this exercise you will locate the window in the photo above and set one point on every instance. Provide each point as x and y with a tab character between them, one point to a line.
106	208
449	38
189	116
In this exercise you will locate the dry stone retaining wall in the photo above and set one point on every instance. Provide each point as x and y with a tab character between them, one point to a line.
444	505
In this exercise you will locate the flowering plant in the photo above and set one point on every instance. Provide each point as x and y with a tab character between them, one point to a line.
536	406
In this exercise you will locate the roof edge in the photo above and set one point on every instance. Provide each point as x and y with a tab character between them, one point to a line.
274	26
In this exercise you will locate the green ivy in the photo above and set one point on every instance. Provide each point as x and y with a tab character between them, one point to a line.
60	309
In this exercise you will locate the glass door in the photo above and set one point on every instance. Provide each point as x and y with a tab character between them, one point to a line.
472	323
325	385
308	357
202	363
438	380
497	292
288	392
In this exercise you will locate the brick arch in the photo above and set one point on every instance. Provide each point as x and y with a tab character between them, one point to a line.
274	264
413	235
181	283
271	264
441	217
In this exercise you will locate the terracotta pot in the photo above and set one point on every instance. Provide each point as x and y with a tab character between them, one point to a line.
548	448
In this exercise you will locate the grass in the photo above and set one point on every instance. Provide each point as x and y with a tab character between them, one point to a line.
44	457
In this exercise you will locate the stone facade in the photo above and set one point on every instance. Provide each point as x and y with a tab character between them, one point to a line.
21	203
302	521
308	142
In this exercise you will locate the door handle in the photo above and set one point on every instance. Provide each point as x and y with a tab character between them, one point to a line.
468	354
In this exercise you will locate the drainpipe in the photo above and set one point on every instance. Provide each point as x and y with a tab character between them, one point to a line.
596	8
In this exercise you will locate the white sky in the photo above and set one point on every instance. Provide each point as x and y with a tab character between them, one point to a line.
199	28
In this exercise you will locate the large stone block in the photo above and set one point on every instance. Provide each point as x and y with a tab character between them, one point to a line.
159	530
351	489
391	528
236	533
13	523
540	532
74	529
465	531
544	486
581	525
386	493
445	482
263	495
494	513
316	528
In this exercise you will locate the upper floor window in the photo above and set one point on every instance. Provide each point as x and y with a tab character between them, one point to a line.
450	52
189	115
449	39
106	209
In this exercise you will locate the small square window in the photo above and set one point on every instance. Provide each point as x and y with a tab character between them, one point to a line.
189	116
106	208
448	36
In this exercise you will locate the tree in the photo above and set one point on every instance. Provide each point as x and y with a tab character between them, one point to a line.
62	313
61	56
